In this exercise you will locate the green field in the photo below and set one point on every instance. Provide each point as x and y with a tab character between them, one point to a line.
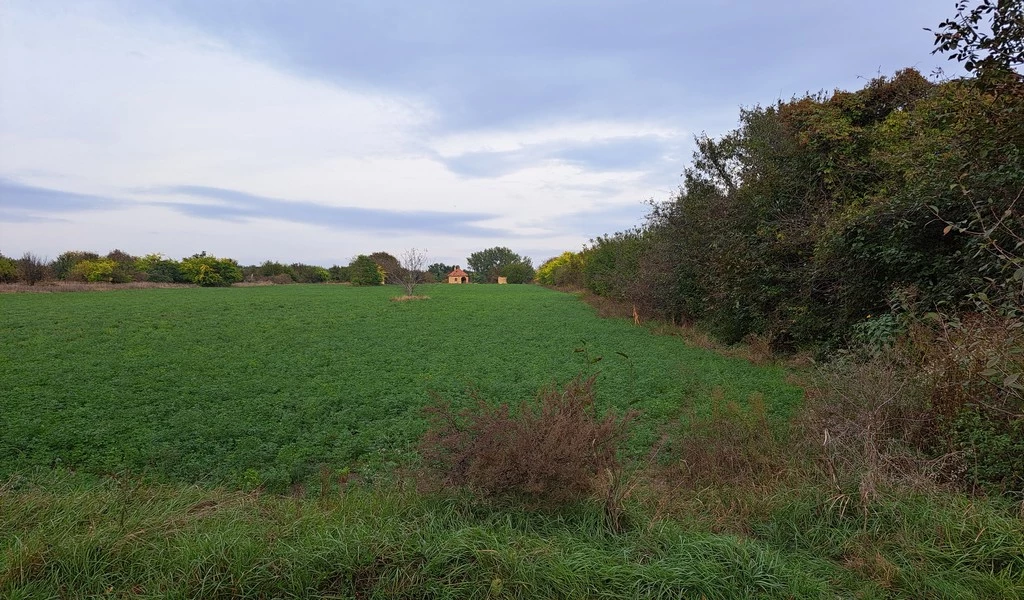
116	403
262	385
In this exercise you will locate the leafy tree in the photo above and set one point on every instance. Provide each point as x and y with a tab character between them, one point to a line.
518	272
209	271
364	271
440	271
124	267
65	263
8	270
992	51
96	270
339	273
488	264
160	269
389	264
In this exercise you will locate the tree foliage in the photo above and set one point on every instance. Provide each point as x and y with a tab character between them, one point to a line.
364	271
487	265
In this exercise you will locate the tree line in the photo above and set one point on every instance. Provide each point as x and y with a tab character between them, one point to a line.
377	268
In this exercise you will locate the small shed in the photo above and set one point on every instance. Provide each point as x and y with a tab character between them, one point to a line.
458	276
502	280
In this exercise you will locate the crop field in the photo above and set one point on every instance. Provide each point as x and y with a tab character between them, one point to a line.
261	385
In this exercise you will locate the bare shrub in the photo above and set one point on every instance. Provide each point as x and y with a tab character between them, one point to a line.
281	279
32	269
733	445
552	450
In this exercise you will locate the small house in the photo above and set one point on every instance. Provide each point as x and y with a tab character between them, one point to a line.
502	279
458	276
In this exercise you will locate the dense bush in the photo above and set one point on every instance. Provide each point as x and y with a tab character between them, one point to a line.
487	265
210	271
31	269
364	271
564	270
8	270
339	274
551	450
309	273
99	269
160	269
65	263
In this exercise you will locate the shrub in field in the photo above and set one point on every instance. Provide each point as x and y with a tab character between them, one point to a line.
8	270
309	273
32	269
339	274
210	271
551	450
564	270
65	263
99	269
732	445
364	271
124	267
159	268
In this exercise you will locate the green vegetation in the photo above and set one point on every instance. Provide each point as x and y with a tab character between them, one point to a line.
259	386
120	538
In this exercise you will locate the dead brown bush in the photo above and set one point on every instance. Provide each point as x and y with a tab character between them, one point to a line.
734	445
552	450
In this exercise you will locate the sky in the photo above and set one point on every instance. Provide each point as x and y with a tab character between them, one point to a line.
313	131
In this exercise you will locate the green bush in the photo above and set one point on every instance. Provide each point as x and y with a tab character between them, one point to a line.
8	270
210	271
100	269
364	271
65	263
160	269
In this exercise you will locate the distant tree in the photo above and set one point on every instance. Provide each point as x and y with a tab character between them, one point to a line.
440	271
303	273
8	270
32	269
210	271
124	269
271	268
488	264
391	265
339	274
160	269
364	271
65	263
410	272
518	272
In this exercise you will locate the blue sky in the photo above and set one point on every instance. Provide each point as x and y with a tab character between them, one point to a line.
313	131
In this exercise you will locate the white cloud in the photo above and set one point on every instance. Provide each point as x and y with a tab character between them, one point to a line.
94	102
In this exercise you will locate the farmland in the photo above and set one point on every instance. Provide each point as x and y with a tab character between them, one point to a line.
260	386
251	442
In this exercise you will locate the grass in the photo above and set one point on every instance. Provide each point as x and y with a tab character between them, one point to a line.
74	536
142	430
262	385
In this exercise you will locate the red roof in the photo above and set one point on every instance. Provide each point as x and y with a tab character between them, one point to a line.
458	272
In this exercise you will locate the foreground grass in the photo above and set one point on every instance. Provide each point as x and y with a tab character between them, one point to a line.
260	386
70	536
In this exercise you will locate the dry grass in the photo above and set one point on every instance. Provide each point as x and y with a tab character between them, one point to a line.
80	286
409	298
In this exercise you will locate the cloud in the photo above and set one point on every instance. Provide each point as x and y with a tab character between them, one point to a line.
18	197
631	154
233	205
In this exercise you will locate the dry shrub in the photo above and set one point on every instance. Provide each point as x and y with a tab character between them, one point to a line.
552	450
731	446
861	424
977	359
408	298
281	279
